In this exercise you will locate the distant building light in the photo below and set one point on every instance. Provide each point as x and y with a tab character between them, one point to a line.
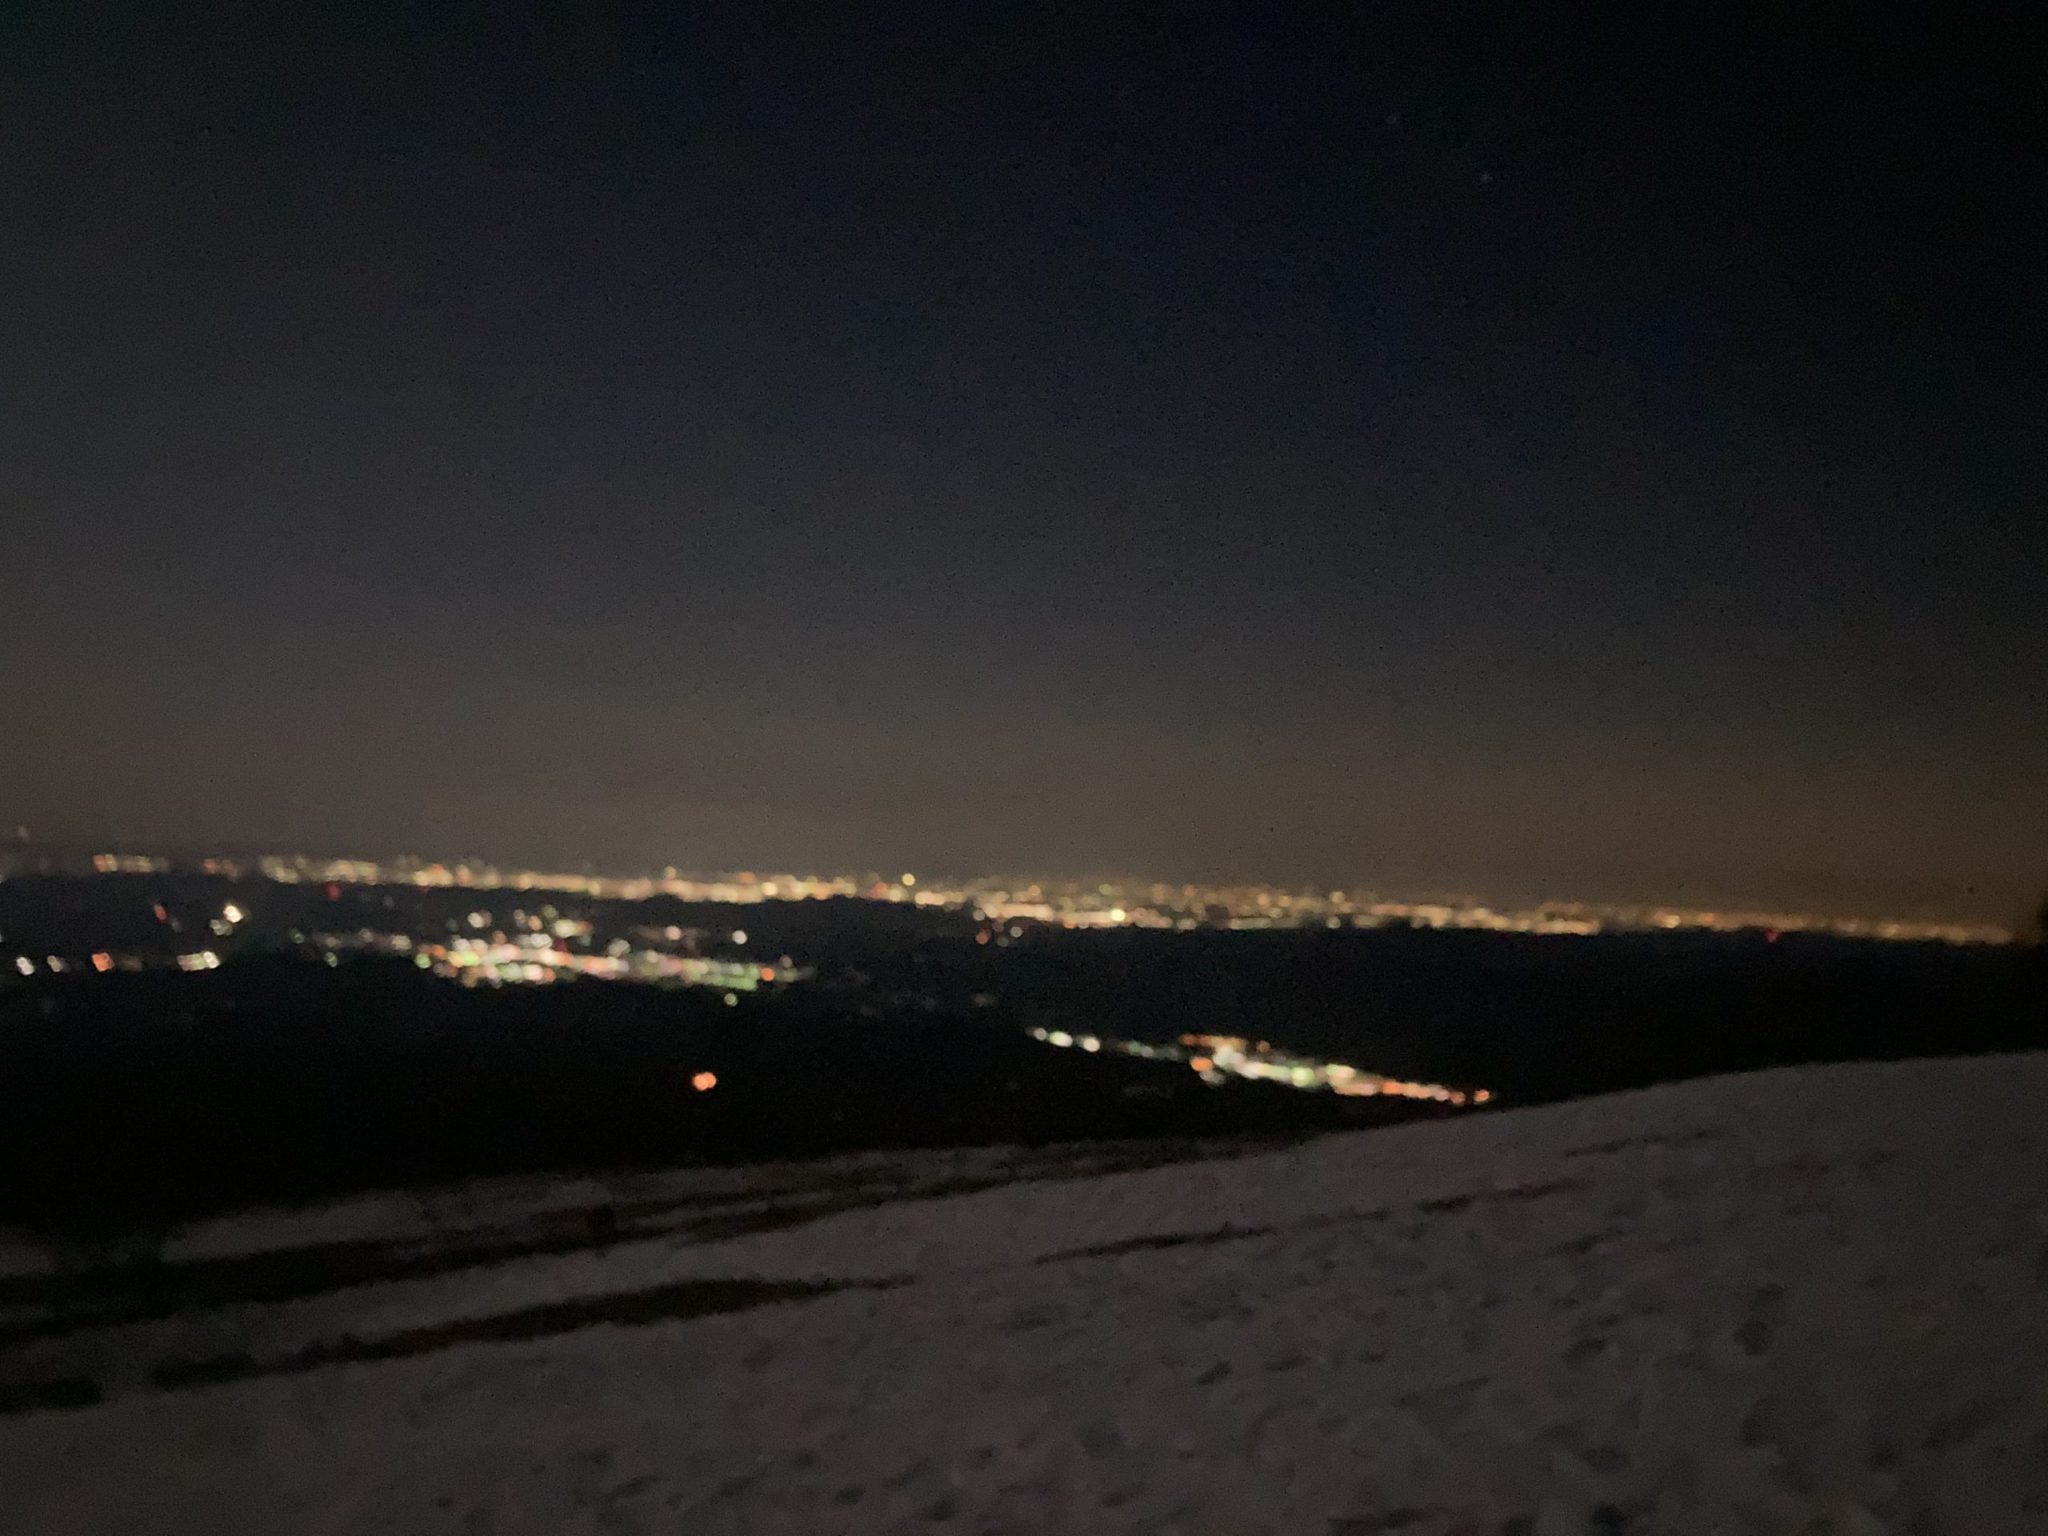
739	935
232	913
704	1082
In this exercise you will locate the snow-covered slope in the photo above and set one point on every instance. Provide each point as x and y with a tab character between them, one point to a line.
1806	1301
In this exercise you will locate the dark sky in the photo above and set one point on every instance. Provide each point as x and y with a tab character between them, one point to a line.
1516	455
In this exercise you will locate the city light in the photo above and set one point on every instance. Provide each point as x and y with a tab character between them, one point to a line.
526	941
535	959
1011	904
1218	1058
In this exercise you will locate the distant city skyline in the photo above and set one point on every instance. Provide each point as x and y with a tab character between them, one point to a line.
1557	910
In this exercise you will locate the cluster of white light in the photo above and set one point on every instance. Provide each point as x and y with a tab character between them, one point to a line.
536	958
1217	1058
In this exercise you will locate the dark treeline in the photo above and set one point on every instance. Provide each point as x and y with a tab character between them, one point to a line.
142	1098
139	1098
1537	1018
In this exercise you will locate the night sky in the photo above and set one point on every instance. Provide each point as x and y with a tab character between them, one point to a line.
1526	457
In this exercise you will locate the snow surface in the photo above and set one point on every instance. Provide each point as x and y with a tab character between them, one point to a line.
1809	1301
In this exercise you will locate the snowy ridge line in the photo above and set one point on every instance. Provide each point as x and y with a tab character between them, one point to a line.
301	1307
132	1291
661	1303
1809	1301
31	1267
